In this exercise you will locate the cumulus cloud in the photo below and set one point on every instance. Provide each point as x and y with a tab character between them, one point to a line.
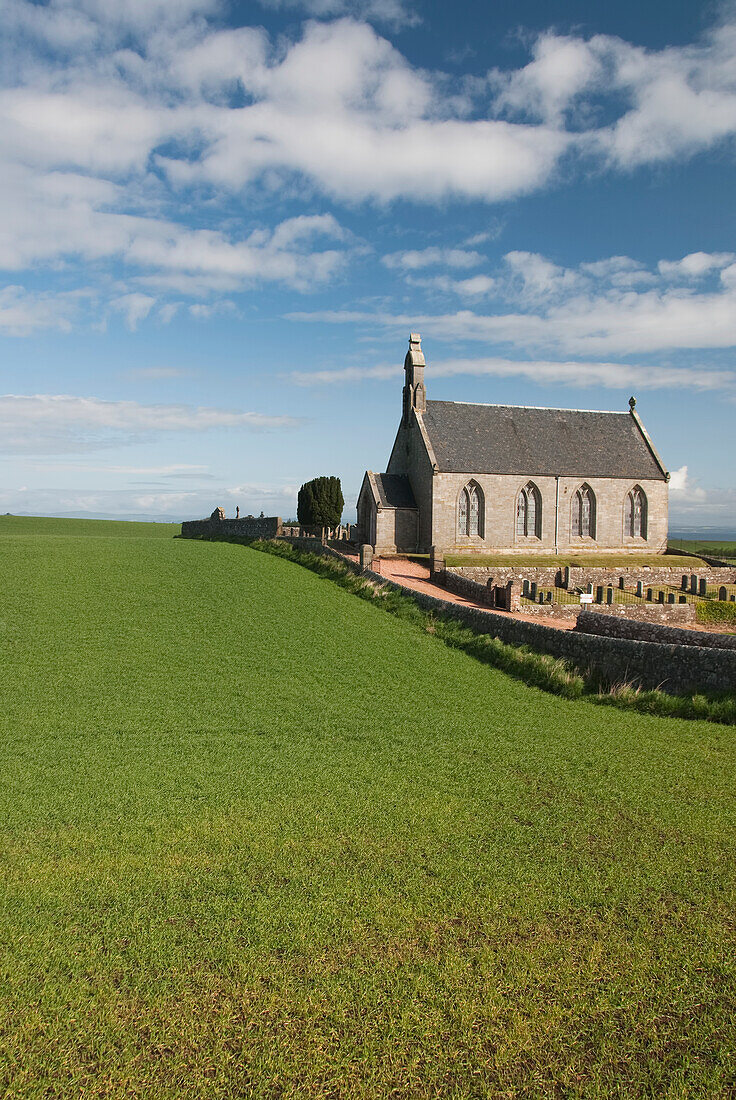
116	121
62	423
695	265
669	103
561	69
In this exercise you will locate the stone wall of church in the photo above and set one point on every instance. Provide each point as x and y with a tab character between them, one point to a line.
500	492
409	457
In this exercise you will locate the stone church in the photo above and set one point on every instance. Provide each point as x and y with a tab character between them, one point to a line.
464	477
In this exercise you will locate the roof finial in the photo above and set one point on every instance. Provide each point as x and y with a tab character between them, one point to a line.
415	341
632	403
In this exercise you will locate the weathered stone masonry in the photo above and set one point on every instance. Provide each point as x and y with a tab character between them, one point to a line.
251	527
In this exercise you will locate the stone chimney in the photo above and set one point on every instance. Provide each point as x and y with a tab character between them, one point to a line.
415	393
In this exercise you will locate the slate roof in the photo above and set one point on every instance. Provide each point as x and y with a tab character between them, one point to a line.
507	439
394	491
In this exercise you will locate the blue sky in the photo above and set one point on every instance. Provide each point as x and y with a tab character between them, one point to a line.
220	221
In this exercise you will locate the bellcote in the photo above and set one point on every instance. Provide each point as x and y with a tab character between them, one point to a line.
415	393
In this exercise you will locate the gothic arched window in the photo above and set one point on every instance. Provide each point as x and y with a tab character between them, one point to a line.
635	516
470	510
583	513
529	512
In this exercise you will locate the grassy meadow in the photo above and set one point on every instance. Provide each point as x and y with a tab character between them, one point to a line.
260	838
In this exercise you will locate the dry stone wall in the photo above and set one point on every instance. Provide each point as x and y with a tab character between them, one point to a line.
593	622
250	527
579	576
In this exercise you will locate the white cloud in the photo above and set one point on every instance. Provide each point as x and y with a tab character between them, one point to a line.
561	70
692	503
432	257
591	310
134	307
64	215
541	372
61	423
695	265
683	487
340	106
23	312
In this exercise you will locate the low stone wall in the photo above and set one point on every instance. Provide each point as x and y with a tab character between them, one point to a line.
546	576
580	576
462	585
592	622
268	527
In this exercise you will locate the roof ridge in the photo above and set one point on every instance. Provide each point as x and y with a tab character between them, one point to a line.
536	408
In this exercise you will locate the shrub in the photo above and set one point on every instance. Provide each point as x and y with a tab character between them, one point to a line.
320	502
715	611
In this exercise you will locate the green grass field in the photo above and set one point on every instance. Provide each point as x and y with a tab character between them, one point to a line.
714	548
260	838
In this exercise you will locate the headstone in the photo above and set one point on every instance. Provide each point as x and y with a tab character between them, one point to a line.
366	556
525	587
649	594
533	593
549	597
609	595
682	599
621	582
733	599
722	593
703	586
640	588
566	578
693	583
683	585
660	596
599	594
670	597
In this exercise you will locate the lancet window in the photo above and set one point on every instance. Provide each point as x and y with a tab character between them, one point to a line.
470	510
635	517
529	512
583	513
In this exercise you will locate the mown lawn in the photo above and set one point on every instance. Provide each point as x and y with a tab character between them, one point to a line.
261	839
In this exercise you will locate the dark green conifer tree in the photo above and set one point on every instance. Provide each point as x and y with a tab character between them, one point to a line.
320	502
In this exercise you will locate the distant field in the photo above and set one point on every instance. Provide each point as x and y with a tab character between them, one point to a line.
714	549
88	528
260	838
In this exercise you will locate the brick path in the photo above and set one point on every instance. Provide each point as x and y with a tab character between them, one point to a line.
412	574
